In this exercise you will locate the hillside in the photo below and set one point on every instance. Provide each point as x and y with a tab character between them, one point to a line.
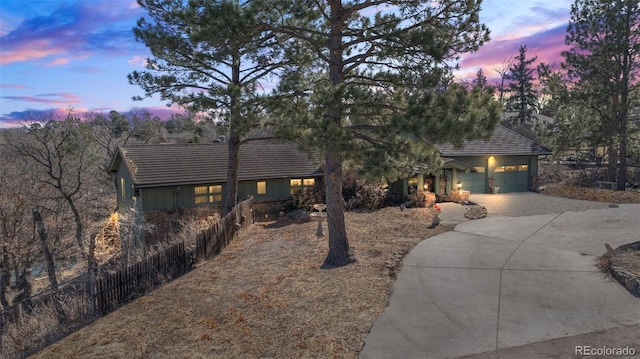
264	296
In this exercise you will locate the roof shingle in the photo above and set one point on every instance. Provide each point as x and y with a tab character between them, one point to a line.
176	164
502	142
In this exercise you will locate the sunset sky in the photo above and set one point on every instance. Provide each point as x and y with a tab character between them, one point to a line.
60	54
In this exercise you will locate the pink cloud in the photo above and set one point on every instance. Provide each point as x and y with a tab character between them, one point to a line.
96	28
58	62
546	45
29	51
53	99
138	60
13	86
164	112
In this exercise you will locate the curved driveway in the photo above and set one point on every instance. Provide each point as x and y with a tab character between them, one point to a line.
524	274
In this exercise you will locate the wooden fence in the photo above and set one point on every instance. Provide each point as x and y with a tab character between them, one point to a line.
112	290
115	289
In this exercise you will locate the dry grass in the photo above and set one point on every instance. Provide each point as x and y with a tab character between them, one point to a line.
33	330
264	296
592	194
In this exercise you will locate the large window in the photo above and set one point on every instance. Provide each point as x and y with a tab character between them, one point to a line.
301	185
208	194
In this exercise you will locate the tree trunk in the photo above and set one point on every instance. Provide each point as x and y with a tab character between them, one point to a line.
231	190
79	225
42	234
51	266
4	283
622	167
4	279
338	243
92	268
613	162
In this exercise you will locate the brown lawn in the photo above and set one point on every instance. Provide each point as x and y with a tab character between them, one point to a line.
264	296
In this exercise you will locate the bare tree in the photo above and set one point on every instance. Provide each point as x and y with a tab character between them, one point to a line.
503	71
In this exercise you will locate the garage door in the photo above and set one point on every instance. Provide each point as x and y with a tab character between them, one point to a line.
475	182
512	178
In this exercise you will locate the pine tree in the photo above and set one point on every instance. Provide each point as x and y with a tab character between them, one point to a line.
371	87
523	98
604	63
210	56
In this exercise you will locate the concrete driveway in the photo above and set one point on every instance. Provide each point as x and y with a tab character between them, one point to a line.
525	274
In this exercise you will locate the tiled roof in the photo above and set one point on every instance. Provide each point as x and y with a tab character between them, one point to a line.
176	164
503	142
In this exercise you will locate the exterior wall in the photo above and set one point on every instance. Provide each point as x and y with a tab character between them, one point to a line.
477	182
125	194
277	190
159	223
160	208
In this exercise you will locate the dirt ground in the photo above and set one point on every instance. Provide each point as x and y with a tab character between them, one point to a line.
264	296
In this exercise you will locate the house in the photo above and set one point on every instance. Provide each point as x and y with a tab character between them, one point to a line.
507	159
164	182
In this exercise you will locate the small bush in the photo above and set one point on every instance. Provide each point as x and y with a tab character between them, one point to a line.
392	199
300	215
303	200
367	197
421	199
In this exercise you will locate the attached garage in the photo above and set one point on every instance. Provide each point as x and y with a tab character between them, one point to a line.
507	159
512	177
474	182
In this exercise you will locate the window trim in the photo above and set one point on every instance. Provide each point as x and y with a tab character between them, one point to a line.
209	194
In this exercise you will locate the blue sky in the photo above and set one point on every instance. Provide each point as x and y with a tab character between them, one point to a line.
60	54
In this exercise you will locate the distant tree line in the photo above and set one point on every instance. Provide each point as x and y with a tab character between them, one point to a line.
56	190
589	100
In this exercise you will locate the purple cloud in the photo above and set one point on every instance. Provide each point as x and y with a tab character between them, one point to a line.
18	118
72	32
547	45
54	99
13	86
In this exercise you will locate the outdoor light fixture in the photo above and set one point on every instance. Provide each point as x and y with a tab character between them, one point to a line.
459	185
426	187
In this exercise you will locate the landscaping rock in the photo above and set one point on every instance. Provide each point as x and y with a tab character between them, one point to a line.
475	211
631	284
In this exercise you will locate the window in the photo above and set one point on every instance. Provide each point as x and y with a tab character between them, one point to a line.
523	168
499	169
301	185
122	188
510	168
262	187
208	194
479	169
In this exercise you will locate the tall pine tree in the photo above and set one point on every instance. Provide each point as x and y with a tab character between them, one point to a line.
210	56
604	63
370	87
523	98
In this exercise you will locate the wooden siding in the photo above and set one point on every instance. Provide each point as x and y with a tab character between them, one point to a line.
277	190
127	202
161	198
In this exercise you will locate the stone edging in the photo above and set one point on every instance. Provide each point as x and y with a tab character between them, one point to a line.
629	280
